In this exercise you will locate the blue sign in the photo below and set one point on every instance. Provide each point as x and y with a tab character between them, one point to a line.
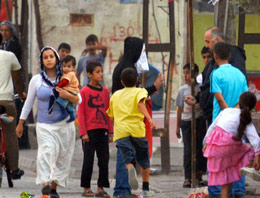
129	1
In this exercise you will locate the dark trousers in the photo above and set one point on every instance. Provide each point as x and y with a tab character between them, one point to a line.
201	164
24	140
98	141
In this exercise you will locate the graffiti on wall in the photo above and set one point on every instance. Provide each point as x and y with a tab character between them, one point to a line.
115	35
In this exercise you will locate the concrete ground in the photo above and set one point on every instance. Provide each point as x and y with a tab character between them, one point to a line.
164	186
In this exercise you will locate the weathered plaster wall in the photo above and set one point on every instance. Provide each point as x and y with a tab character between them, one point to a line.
113	22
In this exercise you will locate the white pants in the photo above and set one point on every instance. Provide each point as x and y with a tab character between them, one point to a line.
55	151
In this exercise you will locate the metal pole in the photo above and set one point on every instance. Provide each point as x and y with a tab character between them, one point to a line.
8	10
16	17
187	41
241	28
226	18
193	122
145	31
38	23
146	22
165	140
216	14
163	133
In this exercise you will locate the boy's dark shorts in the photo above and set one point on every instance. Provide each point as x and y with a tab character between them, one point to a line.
132	148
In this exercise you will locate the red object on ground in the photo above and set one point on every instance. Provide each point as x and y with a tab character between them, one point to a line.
149	133
45	196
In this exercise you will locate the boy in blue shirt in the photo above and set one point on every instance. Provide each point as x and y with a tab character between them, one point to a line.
227	82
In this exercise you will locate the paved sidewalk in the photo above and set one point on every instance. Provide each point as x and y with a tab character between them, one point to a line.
164	186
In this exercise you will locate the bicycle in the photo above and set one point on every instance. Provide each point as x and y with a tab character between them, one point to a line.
4	119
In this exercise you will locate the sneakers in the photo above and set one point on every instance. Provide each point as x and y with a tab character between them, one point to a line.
187	183
147	194
17	174
251	172
132	178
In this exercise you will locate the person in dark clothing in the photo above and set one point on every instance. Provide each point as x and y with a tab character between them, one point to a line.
132	50
206	56
10	39
205	97
237	59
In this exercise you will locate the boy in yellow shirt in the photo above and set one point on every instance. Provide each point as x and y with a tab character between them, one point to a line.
127	111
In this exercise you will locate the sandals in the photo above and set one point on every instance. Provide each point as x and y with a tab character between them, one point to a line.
88	194
102	194
187	184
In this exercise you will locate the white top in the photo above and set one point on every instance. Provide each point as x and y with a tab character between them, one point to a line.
34	85
8	63
228	120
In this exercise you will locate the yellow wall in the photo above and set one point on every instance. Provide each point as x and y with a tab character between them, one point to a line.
253	51
203	21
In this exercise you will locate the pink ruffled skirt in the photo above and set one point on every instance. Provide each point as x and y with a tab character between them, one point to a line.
225	157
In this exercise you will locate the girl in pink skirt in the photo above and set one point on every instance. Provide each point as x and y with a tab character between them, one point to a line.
224	147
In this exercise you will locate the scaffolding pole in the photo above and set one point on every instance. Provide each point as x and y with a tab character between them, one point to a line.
193	122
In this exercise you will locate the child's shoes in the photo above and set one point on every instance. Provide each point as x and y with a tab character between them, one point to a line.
132	177
147	194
